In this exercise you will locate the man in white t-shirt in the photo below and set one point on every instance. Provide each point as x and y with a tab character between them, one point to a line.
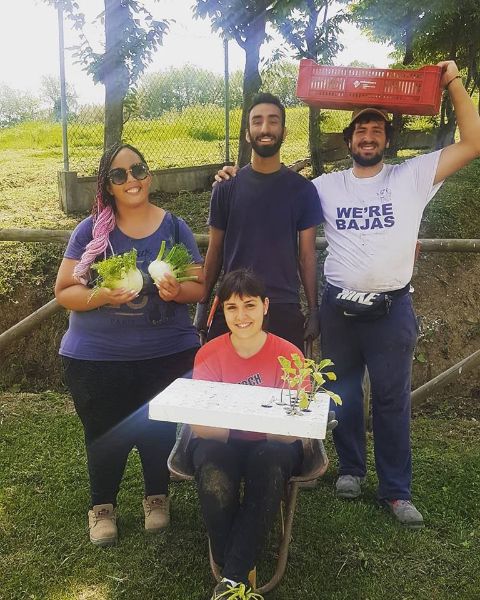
372	217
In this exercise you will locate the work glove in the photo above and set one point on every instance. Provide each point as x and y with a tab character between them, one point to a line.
312	325
332	421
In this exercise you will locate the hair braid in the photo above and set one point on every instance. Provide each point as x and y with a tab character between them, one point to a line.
103	217
103	213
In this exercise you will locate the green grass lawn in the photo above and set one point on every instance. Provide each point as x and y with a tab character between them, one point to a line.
194	136
177	139
340	550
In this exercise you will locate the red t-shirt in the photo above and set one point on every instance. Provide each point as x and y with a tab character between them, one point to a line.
218	361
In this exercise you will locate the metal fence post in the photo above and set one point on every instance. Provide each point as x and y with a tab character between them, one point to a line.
227	102
63	91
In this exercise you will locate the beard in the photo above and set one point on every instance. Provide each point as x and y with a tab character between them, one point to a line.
266	151
367	162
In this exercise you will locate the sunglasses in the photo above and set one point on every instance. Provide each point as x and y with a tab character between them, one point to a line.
119	175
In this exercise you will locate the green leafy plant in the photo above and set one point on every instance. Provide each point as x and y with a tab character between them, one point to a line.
177	262
302	379
119	271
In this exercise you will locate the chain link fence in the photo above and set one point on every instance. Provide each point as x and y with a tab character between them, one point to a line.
177	118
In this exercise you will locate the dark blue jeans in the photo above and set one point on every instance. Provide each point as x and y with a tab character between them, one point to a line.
385	346
237	527
111	398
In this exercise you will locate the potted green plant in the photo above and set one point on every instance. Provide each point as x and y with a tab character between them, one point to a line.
302	379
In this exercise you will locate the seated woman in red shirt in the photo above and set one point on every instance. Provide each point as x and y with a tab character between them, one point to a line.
237	528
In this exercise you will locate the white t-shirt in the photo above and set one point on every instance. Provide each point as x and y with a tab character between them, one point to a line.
372	223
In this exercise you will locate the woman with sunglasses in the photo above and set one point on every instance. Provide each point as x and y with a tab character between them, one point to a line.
123	347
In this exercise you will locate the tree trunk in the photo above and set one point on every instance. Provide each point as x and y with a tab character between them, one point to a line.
113	112
448	125
315	141
409	39
115	73
252	82
398	121
314	115
448	121
397	126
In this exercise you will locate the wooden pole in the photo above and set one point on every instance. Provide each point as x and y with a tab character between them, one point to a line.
62	235
34	235
451	374
226	75
449	245
63	89
31	322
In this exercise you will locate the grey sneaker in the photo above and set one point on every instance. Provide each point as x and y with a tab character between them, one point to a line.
349	486
405	513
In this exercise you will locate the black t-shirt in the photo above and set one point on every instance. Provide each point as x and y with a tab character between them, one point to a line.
261	216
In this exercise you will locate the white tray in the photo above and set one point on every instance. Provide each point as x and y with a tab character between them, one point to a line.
236	406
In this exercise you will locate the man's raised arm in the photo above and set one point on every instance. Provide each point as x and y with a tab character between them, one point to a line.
456	156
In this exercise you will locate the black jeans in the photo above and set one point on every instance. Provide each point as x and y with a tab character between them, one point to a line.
111	398
283	319
238	528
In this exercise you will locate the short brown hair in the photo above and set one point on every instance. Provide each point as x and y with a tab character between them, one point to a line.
241	282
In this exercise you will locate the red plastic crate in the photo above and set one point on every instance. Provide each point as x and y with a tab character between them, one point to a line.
413	92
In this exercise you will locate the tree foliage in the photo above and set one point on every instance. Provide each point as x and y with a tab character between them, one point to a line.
245	22
452	33
440	30
131	36
51	94
392	22
280	78
177	88
133	44
17	106
312	30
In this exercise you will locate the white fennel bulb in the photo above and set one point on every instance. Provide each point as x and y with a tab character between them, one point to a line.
158	269
119	271
177	263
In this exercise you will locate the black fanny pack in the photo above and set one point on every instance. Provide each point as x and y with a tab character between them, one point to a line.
364	306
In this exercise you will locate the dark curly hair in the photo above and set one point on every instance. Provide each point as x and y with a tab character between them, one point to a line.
103	197
103	212
366	118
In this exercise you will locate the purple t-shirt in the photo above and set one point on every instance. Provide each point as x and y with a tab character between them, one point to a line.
261	216
145	328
